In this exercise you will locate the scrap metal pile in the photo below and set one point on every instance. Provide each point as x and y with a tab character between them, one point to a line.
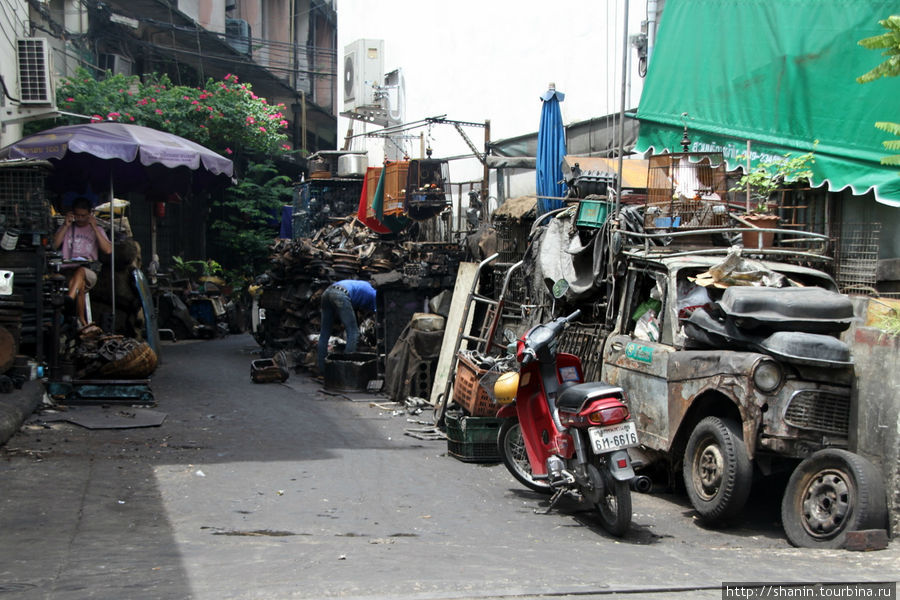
300	270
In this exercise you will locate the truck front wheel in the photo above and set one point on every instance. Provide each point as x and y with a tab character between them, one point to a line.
717	470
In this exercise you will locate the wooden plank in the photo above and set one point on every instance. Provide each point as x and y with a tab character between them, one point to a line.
465	278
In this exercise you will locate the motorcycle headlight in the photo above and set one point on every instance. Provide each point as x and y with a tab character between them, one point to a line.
768	376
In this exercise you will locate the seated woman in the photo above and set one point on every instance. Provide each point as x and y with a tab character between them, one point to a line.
80	238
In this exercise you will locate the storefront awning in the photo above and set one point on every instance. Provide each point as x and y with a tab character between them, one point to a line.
782	74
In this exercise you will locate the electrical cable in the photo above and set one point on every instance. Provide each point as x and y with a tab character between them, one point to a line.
6	91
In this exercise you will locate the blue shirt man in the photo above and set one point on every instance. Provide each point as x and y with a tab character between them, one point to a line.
342	299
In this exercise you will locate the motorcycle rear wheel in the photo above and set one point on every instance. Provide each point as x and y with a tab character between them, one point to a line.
614	505
515	457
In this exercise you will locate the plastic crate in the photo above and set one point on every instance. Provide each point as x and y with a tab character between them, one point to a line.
466	391
592	213
473	439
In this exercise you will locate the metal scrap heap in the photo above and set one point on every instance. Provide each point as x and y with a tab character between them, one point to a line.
300	270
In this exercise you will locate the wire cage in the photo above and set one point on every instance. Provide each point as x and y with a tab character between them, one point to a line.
686	190
856	262
427	188
395	174
512	238
24	205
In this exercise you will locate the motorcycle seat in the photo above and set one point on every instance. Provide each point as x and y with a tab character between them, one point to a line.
572	398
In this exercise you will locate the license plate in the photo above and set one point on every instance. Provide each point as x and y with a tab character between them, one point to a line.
613	437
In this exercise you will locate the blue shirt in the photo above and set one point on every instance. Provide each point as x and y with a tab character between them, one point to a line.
362	294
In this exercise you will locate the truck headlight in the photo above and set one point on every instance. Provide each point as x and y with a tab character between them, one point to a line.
767	376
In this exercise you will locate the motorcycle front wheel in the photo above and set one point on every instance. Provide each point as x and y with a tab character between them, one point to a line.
612	498
515	457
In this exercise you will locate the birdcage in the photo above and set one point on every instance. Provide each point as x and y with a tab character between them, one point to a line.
686	190
24	205
427	188
395	187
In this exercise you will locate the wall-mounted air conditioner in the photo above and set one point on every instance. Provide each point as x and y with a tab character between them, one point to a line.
117	64
237	34
35	80
363	70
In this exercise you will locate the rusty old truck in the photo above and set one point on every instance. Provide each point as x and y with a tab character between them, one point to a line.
731	382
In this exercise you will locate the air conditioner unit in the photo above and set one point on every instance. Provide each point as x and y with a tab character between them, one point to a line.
35	81
363	70
117	64
237	35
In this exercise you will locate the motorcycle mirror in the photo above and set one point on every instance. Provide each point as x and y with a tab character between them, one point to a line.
509	335
560	288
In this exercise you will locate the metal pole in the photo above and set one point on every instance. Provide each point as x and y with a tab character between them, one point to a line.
748	173
486	182
112	253
622	111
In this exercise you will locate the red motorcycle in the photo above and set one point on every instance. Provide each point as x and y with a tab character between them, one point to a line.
562	436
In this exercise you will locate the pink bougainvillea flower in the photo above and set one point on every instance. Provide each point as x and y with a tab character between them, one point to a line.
95	118
228	151
227	77
286	146
70	99
263	129
284	123
158	111
251	120
195	102
186	97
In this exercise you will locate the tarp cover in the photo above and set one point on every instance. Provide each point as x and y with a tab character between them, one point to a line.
781	73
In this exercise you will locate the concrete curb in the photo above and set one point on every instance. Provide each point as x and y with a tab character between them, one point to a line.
16	406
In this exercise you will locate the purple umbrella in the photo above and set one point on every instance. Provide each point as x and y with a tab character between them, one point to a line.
127	157
122	158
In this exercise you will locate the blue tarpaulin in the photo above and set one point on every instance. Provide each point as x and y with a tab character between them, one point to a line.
551	148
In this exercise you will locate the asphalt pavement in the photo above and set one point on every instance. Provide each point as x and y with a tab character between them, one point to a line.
270	491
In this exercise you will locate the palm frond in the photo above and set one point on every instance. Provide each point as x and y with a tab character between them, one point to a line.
893	128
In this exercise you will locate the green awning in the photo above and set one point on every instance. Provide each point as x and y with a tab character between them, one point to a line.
780	73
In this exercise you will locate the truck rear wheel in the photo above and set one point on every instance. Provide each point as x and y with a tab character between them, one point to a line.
717	470
829	494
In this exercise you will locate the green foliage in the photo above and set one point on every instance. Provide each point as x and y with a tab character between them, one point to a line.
890	67
192	269
892	145
769	176
241	227
226	117
890	43
889	322
223	115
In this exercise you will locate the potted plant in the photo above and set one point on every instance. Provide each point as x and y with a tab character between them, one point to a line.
761	182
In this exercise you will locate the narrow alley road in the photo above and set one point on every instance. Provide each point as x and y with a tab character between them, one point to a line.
271	491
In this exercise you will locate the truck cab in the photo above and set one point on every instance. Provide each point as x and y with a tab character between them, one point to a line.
723	381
